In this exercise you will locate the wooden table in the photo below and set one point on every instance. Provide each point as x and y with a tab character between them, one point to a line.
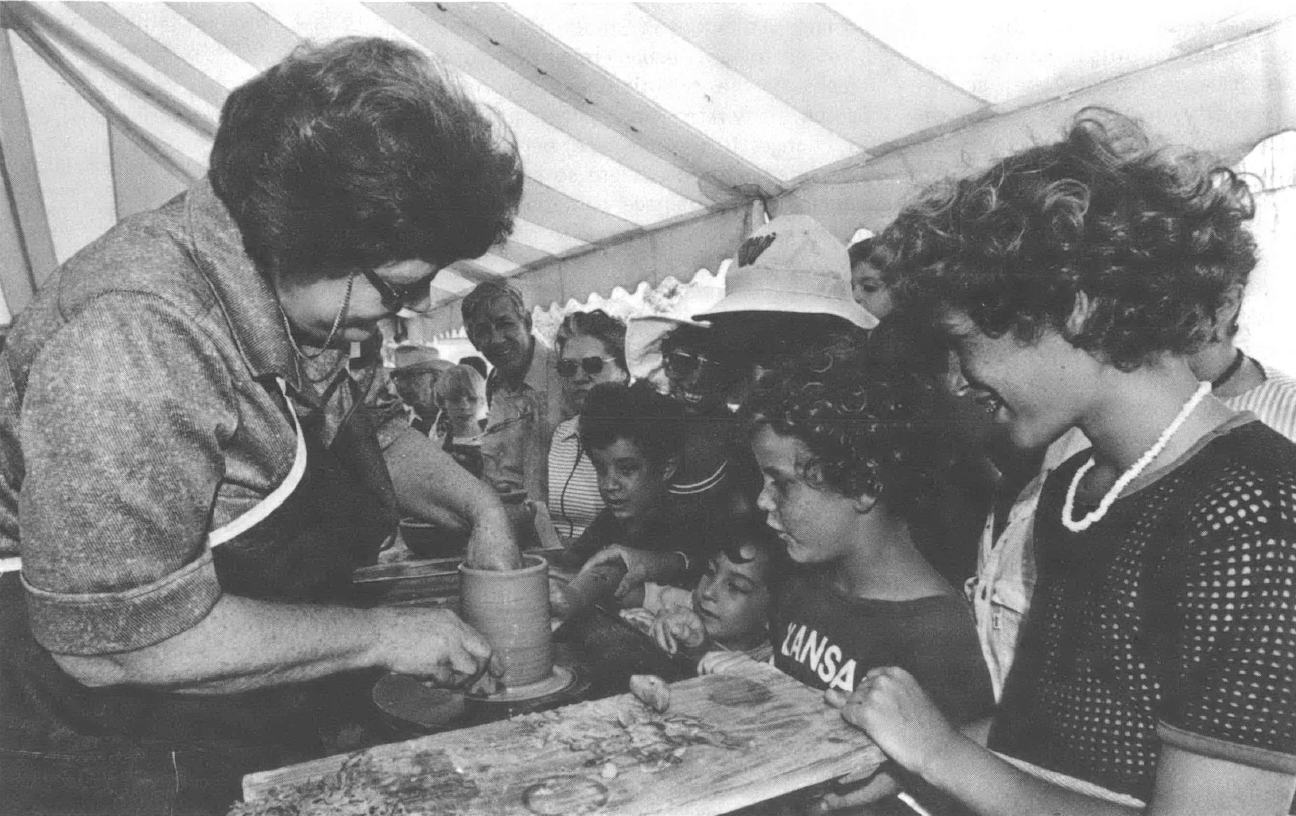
726	742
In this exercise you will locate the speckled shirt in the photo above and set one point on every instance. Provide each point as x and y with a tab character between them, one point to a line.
1170	621
139	410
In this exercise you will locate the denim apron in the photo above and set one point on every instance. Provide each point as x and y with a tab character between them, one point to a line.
69	749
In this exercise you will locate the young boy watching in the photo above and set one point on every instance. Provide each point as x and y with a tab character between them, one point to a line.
729	608
849	450
634	436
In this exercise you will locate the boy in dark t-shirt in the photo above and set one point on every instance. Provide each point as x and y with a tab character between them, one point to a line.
634	436
849	448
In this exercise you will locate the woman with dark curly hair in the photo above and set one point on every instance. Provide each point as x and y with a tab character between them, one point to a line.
591	350
1155	670
191	468
851	452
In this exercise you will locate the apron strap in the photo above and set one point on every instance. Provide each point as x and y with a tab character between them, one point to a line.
252	517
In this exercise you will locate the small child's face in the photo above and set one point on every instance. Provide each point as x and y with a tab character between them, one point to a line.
629	482
733	599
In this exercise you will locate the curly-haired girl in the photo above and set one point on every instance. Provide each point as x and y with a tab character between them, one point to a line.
1156	662
850	451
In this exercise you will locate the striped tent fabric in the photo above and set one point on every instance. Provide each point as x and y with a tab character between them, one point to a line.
652	134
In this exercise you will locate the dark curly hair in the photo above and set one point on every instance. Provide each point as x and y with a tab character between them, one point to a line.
358	153
600	325
872	424
1153	238
651	420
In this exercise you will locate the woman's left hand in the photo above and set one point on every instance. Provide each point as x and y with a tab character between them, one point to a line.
890	706
493	545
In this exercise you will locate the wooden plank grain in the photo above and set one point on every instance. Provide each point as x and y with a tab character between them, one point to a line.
762	735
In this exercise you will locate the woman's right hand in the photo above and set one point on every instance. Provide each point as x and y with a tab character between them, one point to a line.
890	706
436	644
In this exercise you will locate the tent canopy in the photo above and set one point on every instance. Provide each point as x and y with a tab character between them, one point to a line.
647	130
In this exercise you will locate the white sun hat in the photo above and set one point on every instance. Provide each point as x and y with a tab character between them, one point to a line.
792	264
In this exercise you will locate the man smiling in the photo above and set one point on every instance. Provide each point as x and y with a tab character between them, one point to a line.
525	400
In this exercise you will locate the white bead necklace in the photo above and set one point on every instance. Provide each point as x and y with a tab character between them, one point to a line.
1068	508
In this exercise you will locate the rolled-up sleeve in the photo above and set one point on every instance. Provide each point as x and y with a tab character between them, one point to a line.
124	420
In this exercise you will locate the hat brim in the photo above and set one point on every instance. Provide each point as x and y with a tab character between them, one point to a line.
643	343
760	300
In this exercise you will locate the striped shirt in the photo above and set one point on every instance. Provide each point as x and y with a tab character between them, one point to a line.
574	498
1273	401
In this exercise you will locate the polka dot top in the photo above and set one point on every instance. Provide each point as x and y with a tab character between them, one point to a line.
1172	620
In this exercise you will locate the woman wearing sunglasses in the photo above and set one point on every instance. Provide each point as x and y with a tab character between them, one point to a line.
591	350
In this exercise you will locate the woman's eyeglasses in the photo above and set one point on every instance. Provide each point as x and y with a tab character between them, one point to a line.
397	296
683	364
591	365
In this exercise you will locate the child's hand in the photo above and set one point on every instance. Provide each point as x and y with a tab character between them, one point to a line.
678	627
639	618
724	662
890	706
640	566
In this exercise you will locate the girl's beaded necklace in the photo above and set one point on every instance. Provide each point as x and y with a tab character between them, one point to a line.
1068	508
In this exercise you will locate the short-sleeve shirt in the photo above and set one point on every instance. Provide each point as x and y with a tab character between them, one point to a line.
138	412
574	498
520	425
1171	620
826	639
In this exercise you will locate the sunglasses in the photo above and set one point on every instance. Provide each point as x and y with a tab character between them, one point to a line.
397	296
591	365
682	364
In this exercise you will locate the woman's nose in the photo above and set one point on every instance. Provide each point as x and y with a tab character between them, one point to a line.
764	502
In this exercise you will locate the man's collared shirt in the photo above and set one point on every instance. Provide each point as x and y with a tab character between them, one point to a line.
520	425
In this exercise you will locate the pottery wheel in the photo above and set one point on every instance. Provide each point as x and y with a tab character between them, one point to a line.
561	680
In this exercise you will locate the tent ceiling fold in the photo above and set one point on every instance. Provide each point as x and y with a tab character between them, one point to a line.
647	128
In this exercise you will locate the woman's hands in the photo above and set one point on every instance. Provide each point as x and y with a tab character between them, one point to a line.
434	643
890	706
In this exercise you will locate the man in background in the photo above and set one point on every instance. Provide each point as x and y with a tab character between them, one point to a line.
523	390
415	377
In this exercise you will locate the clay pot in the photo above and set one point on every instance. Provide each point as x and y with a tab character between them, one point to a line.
511	609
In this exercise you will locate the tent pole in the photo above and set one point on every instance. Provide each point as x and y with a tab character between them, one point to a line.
26	245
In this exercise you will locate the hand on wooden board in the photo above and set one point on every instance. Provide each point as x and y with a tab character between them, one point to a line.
890	706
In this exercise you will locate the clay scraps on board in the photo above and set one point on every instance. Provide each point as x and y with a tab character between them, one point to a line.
426	782
633	734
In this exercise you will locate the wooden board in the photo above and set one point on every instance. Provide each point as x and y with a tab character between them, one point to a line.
751	736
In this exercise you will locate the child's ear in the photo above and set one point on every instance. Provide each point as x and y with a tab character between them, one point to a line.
669	467
864	503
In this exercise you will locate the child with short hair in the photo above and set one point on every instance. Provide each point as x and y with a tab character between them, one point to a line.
729	609
634	436
461	395
849	448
